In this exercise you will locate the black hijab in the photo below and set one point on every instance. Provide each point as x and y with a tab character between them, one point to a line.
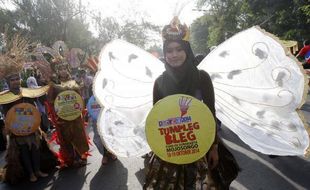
183	79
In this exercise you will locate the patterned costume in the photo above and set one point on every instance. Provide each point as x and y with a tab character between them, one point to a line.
28	152
70	134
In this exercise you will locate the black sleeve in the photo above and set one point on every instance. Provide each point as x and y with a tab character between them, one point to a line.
207	91
208	96
156	92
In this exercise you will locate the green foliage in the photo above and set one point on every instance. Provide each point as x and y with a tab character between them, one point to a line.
199	35
306	10
287	19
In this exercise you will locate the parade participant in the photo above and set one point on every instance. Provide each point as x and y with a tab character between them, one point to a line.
69	123
22	121
182	77
32	83
93	109
305	52
85	83
259	100
31	80
3	140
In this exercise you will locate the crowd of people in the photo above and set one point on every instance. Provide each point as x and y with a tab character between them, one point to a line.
31	151
29	154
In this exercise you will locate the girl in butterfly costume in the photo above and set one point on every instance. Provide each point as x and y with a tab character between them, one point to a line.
182	77
28	152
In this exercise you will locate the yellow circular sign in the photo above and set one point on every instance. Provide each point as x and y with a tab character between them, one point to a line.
68	105
180	129
23	119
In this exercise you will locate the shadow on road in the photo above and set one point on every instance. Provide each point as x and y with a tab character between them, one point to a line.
105	178
262	172
42	183
76	175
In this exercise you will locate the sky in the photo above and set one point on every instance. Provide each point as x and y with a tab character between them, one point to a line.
159	12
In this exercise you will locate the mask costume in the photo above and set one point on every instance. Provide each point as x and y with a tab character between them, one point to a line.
65	109
28	152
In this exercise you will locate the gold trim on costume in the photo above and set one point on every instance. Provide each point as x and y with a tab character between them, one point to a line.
7	97
34	92
68	85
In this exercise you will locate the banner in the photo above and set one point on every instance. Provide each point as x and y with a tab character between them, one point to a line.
68	105
23	119
180	129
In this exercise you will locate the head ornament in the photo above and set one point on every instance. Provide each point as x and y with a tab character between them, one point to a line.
11	61
175	30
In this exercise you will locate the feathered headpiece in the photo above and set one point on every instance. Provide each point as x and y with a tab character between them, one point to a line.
49	60
175	31
11	62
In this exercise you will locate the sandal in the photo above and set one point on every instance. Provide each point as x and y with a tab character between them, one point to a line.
33	178
104	160
41	174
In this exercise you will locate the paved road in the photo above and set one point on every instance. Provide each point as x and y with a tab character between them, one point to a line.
259	172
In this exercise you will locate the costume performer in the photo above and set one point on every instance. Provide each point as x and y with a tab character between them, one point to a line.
28	152
305	52
182	77
258	100
71	134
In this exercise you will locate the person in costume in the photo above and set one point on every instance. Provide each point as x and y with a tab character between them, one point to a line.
32	83
31	80
85	82
3	140
71	134
93	109
305	52
182	77
28	152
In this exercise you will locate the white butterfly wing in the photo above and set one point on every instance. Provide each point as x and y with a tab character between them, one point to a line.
124	85
258	88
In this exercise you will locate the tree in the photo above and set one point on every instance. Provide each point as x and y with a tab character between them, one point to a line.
132	31
47	21
275	17
226	17
199	35
216	25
